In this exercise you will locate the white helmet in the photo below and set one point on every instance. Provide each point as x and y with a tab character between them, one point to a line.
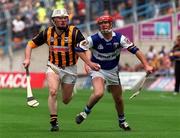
59	13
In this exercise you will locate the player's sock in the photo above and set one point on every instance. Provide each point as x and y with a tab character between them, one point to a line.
121	118
123	124
53	119
87	110
54	123
83	115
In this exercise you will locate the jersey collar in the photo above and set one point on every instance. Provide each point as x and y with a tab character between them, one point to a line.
102	37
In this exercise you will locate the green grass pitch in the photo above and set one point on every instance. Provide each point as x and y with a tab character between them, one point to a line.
150	114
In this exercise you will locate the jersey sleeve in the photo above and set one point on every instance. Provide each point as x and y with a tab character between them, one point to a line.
90	42
79	37
38	40
125	42
85	44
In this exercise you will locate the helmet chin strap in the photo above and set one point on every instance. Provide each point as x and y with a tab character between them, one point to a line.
53	22
107	30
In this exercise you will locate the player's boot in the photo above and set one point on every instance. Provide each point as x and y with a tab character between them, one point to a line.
124	125
54	126
80	117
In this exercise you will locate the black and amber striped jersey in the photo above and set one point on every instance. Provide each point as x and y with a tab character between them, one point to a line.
61	47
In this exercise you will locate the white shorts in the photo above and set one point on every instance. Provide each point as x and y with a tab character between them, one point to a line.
111	77
63	73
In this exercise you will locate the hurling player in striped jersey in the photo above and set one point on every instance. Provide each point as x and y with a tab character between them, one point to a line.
105	47
62	40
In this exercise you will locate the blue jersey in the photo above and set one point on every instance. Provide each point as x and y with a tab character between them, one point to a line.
107	52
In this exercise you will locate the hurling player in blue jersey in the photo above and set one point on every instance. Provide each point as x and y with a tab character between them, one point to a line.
105	47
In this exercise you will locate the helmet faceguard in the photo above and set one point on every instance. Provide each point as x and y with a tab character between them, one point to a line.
105	23
61	13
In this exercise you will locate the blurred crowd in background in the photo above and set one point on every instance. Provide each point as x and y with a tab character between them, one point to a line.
160	60
29	16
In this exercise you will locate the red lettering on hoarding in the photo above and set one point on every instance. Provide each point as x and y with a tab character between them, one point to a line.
18	80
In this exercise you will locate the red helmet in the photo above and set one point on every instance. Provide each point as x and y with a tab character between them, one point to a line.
107	28
104	18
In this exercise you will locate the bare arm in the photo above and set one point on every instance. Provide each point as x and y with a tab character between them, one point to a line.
85	58
86	67
176	53
28	51
143	60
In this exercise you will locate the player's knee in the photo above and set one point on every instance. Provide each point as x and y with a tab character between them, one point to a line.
53	92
